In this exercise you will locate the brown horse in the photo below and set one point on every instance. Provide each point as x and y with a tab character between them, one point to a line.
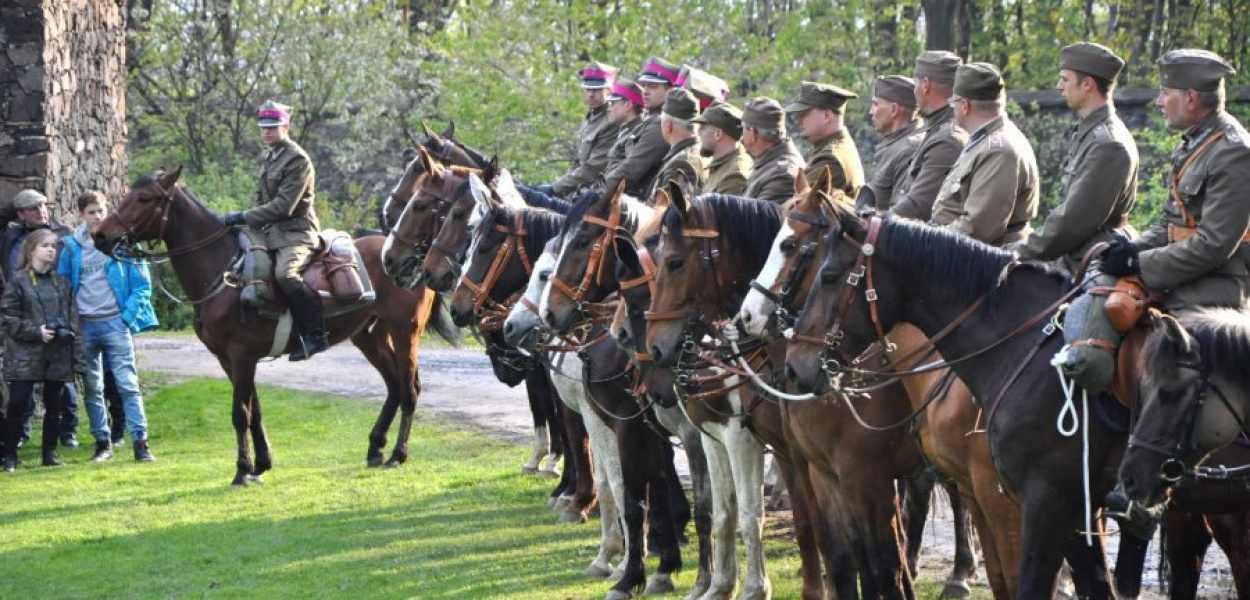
201	249
446	149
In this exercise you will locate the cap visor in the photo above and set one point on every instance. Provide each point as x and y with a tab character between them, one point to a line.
601	85
269	123
653	79
796	107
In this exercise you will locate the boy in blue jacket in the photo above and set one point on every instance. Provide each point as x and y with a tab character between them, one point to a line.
114	301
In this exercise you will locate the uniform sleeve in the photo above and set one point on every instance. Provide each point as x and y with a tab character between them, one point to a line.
818	164
1096	185
11	317
990	197
935	162
734	184
778	188
587	170
297	179
642	160
1156	236
1225	218
886	177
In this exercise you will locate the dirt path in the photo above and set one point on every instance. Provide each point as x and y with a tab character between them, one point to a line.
458	385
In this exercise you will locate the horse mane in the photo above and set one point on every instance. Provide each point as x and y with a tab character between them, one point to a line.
146	180
631	211
967	266
1222	334
541	225
749	225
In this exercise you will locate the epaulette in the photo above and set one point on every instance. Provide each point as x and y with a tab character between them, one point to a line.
994	140
1235	134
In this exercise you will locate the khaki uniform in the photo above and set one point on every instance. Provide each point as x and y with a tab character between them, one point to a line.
642	163
595	137
893	157
839	152
682	160
621	144
728	174
992	192
773	173
1099	188
284	213
1211	267
939	149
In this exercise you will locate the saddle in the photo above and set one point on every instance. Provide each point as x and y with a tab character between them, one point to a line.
334	272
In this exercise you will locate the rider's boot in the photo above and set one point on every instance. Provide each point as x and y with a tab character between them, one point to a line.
306	311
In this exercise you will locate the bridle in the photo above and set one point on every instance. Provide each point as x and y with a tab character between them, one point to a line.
785	289
705	230
163	212
443	202
596	264
491	314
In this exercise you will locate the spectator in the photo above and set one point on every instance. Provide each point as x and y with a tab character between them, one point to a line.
114	299
42	342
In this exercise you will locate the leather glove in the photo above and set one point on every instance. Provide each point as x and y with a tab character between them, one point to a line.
235	218
1120	259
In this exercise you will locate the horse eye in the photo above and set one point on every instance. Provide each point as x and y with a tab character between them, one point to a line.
828	276
676	264
457	216
581	243
788	246
544	274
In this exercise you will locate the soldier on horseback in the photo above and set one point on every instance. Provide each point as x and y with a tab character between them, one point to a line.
285	217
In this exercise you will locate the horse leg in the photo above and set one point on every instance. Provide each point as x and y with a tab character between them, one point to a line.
700	479
724	508
1130	562
260	441
994	567
538	390
958	582
834	538
746	458
670	515
1000	531
917	494
806	524
1089	565
872	502
559	439
635	476
581	476
1049	516
371	345
404	372
1185	542
242	375
1230	532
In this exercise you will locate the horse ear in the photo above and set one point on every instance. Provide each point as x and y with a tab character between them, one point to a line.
410	154
824	181
661	200
491	171
800	182
429	133
450	132
429	163
609	197
1177	335
679	202
169	179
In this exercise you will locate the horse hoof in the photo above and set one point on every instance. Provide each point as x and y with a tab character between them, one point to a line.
393	464
598	570
572	517
256	479
562	502
660	583
551	501
617	595
545	474
955	590
374	462
528	470
238	484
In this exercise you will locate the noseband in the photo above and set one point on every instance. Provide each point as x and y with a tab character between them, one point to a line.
421	246
784	289
490	313
595	265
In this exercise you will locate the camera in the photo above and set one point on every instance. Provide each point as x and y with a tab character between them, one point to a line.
60	331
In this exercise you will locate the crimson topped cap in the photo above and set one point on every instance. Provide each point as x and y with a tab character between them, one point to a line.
598	76
625	89
658	70
273	114
707	87
1193	70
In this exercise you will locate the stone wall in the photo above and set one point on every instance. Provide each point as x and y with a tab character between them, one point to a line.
62	99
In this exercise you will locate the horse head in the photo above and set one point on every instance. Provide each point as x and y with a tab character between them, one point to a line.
143	214
683	260
1191	400
398	199
636	274
782	286
585	271
523	321
443	263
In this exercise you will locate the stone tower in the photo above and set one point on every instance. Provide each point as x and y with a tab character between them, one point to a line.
62	99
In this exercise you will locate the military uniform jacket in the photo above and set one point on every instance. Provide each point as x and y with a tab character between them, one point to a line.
595	137
1099	188
839	152
646	153
1212	267
992	191
893	157
943	142
682	160
623	142
728	174
773	173
284	203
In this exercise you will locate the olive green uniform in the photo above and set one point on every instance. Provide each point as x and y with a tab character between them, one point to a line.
728	174
647	149
929	165
840	153
992	192
893	157
595	138
1099	188
284	212
683	160
1212	267
774	172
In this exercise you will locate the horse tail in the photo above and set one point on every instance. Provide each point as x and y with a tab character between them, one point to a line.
440	321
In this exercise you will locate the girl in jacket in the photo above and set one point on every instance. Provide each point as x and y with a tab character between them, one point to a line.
40	320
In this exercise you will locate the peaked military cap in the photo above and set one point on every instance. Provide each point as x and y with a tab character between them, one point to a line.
723	115
896	88
658	70
1193	70
938	65
764	113
681	104
707	87
821	95
1094	59
598	76
625	89
28	199
978	81
273	114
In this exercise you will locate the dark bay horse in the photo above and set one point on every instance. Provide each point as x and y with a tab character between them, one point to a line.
201	249
446	149
499	264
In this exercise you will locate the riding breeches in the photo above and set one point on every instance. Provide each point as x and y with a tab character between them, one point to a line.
288	263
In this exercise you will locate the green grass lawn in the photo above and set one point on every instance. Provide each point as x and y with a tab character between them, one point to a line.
456	522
